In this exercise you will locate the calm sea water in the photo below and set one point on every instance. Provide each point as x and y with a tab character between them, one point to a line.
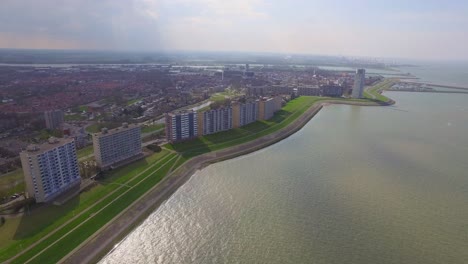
448	73
355	185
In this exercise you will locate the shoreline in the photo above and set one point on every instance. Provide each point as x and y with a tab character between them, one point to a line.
439	85
105	239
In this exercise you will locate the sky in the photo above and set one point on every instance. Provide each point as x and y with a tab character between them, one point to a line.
416	29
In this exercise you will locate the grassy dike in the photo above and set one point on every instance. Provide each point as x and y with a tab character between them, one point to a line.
21	233
61	243
374	92
73	230
199	153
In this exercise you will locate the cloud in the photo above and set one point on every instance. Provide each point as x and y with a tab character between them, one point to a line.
332	27
104	24
237	8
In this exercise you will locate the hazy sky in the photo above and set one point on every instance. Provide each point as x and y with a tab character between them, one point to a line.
431	29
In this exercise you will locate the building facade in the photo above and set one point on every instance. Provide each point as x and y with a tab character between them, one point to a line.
116	145
181	126
268	107
187	125
215	120
53	119
50	169
308	91
331	90
248	112
359	82
269	90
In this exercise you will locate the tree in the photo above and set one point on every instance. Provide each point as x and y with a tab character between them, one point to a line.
154	147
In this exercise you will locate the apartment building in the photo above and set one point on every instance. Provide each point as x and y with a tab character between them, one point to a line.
53	119
268	107
244	113
359	82
269	90
308	91
181	126
215	120
331	90
112	146
50	169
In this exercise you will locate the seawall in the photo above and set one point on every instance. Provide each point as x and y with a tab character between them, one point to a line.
107	237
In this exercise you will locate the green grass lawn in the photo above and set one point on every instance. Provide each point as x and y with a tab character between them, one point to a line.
11	183
217	97
133	101
378	88
96	127
83	108
74	117
61	243
21	232
152	128
86	151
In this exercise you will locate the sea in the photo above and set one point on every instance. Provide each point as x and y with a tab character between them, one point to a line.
355	185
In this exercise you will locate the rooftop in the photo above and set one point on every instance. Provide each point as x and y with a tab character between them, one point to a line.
105	131
51	144
181	112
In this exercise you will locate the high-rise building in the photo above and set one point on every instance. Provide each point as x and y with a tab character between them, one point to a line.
308	90
181	126
53	119
268	107
215	120
269	90
331	90
248	113
50	169
359	82
117	145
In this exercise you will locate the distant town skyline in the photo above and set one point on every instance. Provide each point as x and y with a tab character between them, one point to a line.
432	30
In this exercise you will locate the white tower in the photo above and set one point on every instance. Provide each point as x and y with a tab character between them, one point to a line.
359	82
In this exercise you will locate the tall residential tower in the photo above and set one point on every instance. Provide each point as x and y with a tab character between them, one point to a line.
181	126
117	145
50	169
359	82
53	119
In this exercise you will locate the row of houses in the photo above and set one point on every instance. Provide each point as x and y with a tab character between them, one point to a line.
190	124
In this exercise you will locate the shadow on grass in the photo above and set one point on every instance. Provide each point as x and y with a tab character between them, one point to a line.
280	116
112	175
39	216
191	148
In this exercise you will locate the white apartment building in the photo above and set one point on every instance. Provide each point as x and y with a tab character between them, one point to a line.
50	169
181	126
115	145
359	82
